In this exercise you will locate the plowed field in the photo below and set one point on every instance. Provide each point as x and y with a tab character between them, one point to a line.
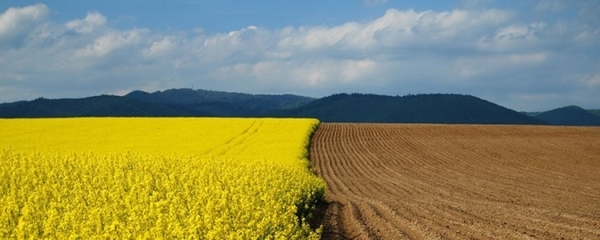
413	181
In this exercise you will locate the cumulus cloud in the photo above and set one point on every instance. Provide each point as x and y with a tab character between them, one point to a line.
108	43
91	22
490	53
16	23
160	48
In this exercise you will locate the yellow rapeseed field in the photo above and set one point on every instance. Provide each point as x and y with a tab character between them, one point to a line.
154	178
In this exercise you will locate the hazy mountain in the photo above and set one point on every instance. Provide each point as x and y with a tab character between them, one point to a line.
570	115
423	108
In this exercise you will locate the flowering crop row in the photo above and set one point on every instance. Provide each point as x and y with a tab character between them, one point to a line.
198	178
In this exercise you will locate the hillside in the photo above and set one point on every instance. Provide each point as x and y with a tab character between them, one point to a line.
174	102
84	107
570	115
423	108
222	103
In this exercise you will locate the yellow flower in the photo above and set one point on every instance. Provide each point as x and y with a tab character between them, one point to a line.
148	178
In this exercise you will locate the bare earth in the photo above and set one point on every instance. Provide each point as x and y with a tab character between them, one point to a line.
416	181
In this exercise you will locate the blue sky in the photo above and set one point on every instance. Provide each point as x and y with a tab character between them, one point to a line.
526	55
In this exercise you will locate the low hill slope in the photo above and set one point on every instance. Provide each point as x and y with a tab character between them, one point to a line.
222	103
571	116
86	107
424	108
595	112
174	102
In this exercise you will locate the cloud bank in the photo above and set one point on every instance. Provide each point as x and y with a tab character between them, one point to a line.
492	53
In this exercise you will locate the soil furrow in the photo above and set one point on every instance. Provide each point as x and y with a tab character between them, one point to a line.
415	181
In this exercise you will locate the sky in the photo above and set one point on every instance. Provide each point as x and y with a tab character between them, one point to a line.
532	55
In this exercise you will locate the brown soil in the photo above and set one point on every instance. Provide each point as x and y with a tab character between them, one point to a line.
414	181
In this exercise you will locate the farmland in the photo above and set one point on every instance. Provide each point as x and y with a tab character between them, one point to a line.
152	178
232	178
418	181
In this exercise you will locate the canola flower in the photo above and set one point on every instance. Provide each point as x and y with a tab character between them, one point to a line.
157	178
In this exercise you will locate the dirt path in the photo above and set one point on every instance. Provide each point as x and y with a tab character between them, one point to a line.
395	181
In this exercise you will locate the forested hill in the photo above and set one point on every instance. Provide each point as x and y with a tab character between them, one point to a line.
569	116
174	102
423	108
86	107
260	103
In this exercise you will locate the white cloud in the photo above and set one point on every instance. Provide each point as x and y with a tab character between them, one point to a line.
354	70
160	47
512	32
16	23
110	42
91	22
469	50
516	38
322	37
330	72
13	19
460	24
395	28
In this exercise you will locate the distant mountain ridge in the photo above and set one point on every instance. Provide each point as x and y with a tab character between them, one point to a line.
343	107
217	103
104	105
169	103
569	116
189	96
422	108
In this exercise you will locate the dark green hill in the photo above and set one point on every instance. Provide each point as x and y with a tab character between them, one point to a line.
595	112
571	116
424	108
174	102
223	103
104	105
